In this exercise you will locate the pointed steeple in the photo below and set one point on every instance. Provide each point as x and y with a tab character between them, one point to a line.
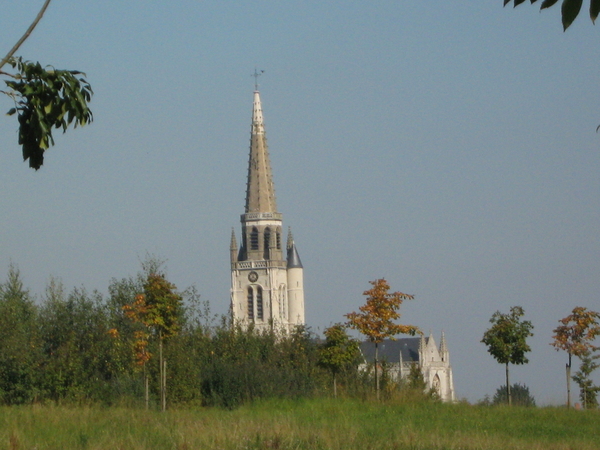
260	190
444	348
422	346
233	244
233	250
293	258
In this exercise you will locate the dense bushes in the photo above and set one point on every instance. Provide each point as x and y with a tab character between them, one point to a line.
81	347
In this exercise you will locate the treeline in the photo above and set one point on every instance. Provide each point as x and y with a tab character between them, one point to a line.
80	346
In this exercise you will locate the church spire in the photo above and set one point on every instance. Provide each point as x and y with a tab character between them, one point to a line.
260	190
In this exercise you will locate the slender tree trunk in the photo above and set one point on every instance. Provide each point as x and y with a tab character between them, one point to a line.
377	370
508	394
569	382
161	371
146	387
164	386
334	386
146	391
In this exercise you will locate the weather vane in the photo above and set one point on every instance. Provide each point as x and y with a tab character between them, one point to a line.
257	74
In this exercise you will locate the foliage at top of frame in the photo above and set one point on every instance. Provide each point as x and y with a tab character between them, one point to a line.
46	98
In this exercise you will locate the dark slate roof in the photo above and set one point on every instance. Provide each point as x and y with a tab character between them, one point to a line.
293	259
390	350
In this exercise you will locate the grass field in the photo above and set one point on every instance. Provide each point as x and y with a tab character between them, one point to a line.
303	424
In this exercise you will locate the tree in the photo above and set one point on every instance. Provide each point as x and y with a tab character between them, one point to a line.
520	395
575	336
376	318
159	309
507	340
76	346
587	390
19	341
44	98
569	9
338	352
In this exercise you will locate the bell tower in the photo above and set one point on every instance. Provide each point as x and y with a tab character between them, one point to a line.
267	286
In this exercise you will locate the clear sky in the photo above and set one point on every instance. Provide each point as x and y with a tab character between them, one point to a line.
449	147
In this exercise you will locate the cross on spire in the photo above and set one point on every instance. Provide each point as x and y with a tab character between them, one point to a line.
257	74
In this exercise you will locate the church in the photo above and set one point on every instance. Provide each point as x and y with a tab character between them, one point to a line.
267	281
397	356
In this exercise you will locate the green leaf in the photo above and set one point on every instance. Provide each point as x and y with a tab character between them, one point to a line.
548	3
594	9
570	10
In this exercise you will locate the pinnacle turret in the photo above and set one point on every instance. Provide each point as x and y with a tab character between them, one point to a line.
290	239
233	244
293	258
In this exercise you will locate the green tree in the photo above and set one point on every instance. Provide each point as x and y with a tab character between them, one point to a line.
338	352
506	340
587	390
569	9
19	342
44	98
575	336
520	395
76	345
376	318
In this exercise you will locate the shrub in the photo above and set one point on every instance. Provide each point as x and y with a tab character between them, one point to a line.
520	396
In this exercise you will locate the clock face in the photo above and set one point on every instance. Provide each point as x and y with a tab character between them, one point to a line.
253	276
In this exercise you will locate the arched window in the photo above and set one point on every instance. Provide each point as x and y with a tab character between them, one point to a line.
250	304
267	242
278	238
254	239
259	303
436	384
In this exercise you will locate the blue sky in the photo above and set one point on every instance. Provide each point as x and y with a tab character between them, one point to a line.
449	147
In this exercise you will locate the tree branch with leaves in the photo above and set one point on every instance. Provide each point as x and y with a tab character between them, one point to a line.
569	9
44	98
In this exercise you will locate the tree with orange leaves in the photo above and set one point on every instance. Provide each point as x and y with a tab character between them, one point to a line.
376	318
159	309
575	336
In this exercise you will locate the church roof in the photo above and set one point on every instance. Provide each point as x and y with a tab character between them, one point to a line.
390	351
260	189
293	259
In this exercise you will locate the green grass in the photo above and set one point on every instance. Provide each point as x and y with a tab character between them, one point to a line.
303	424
